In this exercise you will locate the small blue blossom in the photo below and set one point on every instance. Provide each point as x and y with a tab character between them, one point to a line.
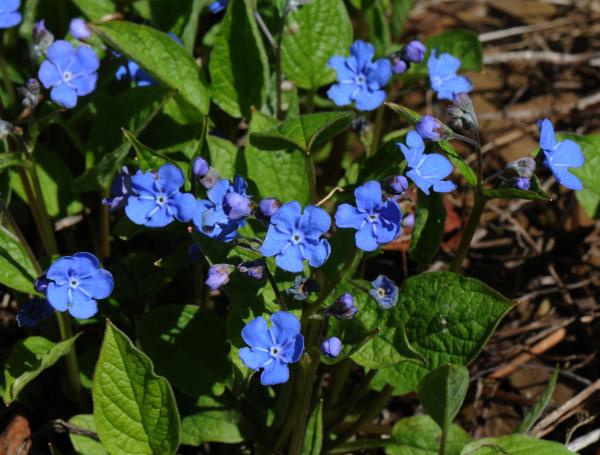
33	312
359	78
522	183
560	156
426	170
302	288
294	236
9	16
216	217
69	72
443	78
119	190
254	269
343	308
384	291
430	128
79	29
218	275
377	222
268	206
399	66
75	284
200	167
272	349
331	347
156	200
397	184
217	6
414	51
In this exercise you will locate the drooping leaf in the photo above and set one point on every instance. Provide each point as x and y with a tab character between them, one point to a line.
277	173
516	444
430	218
134	409
313	435
188	346
238	65
306	132
315	33
30	357
85	445
16	269
536	411
165	60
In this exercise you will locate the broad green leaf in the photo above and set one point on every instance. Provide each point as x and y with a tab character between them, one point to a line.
224	156
430	218
313	436
179	18
312	35
165	60
134	409
378	27
277	173
16	269
306	132
515	444
442	393
84	445
213	420
462	44
400	13
17	159
28	358
420	435
188	346
536	411
238	66
138	276
148	159
588	173
95	9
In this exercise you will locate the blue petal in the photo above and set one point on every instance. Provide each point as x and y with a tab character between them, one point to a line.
344	71
85	84
347	216
368	196
317	253
314	222
138	209
367	100
285	326
298	348
170	178
64	95
82	307
274	242
287	216
8	20
254	358
414	148
422	183
390	219
341	94
365	240
567	153
454	85
144	183
59	270
60	51
444	186
183	206
160	217
274	373
85	263
547	139
239	185
445	65
434	167
256	334
290	259
567	179
9	5
99	284
380	72
48	74
363	52
217	192
87	58
58	296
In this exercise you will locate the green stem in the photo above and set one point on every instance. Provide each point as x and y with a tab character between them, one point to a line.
66	332
273	283
469	232
443	441
362	390
46	223
338	380
8	86
278	111
37	218
376	131
312	178
104	231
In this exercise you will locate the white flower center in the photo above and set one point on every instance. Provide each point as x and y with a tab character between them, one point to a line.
67	76
381	292
161	199
436	81
360	79
73	282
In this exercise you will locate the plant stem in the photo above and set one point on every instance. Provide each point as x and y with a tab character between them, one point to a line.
46	223
376	131
467	234
66	332
443	441
338	380
104	231
273	283
8	86
362	389
278	111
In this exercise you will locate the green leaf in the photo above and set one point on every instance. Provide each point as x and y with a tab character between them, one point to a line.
315	33
306	132
17	159
535	192
462	44
28	358
400	13
148	159
238	66
16	269
442	393
188	346
213	420
134	409
84	445
516	444
536	411
95	9
281	173
313	436
430	219
420	435
588	173
378	28
224	156
165	60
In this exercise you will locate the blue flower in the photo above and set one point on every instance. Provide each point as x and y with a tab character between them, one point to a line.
377	222
119	190
69	72
9	16
268	206
272	349
218	275
343	308
331	347
79	29
216	217
294	236
443	78
359	79
384	291
399	66
75	282
156	200
302	288
560	156
397	184
217	6
426	170
33	312
522	183
430	128
200	167
414	51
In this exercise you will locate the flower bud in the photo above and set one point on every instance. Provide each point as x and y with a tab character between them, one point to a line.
522	183
343	308
42	39
331	347
34	311
398	184
302	288
399	66
414	51
254	269
432	129
218	275
210	179
524	167
41	283
268	206
236	206
31	93
200	167
119	190
79	29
